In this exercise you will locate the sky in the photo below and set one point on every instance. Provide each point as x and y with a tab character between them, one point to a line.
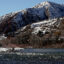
7	6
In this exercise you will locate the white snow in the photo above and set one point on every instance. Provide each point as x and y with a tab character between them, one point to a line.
46	3
4	49
2	37
7	16
48	23
23	28
36	30
44	23
18	49
8	49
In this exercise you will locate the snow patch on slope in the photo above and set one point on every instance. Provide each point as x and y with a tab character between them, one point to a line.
2	37
45	26
44	23
46	4
36	30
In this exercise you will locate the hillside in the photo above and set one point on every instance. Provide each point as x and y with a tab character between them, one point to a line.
39	26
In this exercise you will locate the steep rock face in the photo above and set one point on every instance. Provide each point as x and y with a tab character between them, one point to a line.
54	10
9	23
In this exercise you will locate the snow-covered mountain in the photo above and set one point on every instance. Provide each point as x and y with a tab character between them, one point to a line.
11	22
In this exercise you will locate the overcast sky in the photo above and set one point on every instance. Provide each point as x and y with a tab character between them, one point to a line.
7	6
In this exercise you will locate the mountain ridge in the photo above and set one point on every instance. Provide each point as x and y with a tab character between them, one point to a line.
39	26
14	21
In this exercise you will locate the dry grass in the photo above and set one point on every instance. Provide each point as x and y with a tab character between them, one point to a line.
49	40
26	38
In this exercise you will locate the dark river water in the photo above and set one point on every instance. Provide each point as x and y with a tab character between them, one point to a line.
31	60
39	56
